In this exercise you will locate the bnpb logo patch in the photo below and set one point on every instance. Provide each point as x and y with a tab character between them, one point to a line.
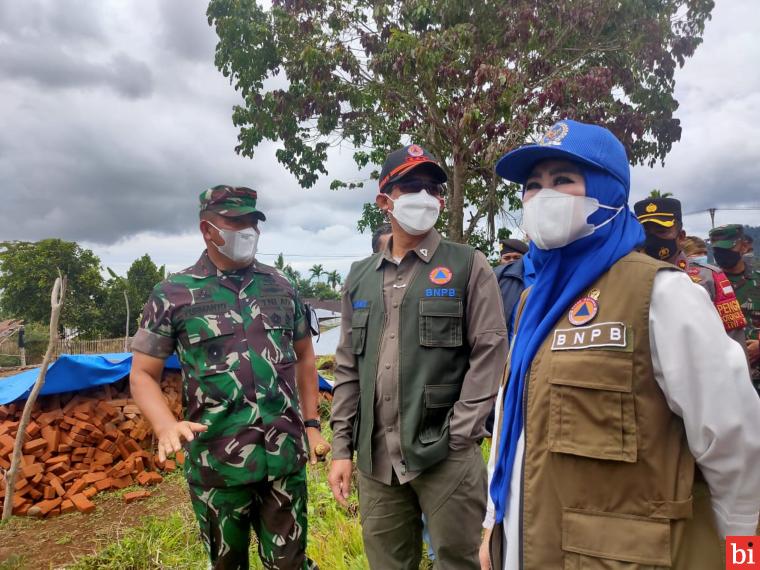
583	311
440	275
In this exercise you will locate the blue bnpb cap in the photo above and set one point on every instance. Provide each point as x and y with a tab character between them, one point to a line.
569	140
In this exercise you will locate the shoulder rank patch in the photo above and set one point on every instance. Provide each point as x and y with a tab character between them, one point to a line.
593	336
441	275
583	311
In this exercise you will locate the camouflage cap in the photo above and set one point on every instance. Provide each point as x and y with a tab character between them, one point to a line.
725	237
230	201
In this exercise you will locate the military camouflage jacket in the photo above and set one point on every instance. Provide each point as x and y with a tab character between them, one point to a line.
747	287
234	335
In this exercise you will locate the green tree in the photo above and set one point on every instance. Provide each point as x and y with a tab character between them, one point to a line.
468	80
333	278
28	271
658	194
317	270
141	277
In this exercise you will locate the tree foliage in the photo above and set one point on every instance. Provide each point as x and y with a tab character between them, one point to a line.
306	286
468	80
93	306
660	194
28	271
141	277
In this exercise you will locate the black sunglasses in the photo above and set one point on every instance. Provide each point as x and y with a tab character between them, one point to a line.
411	186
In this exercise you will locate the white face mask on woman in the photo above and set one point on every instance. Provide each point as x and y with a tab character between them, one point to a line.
554	219
239	246
416	213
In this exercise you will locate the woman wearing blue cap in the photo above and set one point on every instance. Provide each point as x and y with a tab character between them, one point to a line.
622	395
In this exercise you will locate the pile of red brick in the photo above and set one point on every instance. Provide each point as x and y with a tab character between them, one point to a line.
79	444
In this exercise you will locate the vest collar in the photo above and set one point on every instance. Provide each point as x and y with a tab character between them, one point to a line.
424	250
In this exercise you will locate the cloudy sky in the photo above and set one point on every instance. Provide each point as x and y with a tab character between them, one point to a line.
114	119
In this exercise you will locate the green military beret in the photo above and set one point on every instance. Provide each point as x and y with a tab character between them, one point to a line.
725	237
230	201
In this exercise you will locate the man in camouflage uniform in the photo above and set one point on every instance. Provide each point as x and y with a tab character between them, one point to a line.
665	240
729	246
244	342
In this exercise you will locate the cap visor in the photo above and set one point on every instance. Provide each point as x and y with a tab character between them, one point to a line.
517	165
723	244
427	166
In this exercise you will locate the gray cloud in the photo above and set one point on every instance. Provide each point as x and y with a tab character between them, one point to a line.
52	68
115	119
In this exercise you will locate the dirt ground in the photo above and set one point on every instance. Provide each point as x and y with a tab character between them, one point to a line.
56	542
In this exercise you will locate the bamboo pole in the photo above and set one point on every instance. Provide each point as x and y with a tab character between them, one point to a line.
56	303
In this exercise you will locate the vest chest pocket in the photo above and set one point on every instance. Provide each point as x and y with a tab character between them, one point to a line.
591	405
359	321
441	323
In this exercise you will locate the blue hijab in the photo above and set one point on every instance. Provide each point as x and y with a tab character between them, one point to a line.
562	275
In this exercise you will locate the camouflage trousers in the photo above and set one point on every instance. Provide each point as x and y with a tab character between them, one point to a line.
276	510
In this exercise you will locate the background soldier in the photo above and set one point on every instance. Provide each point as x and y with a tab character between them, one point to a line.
665	239
244	343
423	344
729	248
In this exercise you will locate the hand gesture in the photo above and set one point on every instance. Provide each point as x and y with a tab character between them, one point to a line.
170	438
340	479
318	446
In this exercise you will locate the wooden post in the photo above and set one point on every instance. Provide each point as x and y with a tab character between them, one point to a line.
126	332
56	302
22	345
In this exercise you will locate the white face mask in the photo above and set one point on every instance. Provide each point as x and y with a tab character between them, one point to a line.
699	259
554	219
239	246
416	213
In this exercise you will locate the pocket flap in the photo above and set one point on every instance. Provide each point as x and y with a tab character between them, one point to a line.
597	370
200	329
441	395
441	307
625	538
359	319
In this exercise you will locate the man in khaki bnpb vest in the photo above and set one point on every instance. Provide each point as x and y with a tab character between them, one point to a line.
628	434
422	349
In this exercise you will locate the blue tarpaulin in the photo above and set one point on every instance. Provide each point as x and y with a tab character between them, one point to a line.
72	372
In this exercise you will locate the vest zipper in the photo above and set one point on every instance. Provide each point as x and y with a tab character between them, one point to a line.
522	465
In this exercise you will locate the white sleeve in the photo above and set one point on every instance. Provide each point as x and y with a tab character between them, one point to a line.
705	379
490	519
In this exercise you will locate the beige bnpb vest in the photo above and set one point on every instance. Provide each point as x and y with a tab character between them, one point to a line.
608	479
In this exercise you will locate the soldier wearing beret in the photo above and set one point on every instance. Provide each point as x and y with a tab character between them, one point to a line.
250	388
730	245
665	240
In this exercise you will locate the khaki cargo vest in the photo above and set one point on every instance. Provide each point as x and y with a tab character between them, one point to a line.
433	356
608	477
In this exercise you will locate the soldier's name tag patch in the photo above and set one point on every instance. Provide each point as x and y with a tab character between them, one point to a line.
208	308
598	335
360	304
440	275
440	292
